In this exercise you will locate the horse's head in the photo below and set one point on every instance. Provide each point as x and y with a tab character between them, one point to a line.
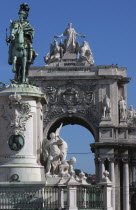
14	29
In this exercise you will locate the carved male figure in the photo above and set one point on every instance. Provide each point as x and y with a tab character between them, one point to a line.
70	41
27	30
54	151
106	106
63	146
122	108
53	156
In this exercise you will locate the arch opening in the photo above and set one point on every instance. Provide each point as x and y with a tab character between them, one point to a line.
78	139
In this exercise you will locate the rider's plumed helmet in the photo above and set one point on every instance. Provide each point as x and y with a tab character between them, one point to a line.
24	9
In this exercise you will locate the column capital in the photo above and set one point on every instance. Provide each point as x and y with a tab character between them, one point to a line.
101	160
112	159
125	160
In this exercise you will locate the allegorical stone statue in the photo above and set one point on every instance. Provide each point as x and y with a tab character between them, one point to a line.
56	52
70	44
131	112
86	53
131	116
21	52
122	109
71	162
106	107
82	178
66	167
54	152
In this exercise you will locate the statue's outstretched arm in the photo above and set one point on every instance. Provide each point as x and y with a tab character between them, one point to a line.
83	36
58	36
58	130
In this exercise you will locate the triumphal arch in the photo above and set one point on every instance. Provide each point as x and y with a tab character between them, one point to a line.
69	89
79	92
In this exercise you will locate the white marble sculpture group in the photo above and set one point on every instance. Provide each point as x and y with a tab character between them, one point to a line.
70	48
54	155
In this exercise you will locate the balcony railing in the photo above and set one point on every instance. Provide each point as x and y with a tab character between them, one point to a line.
90	197
49	198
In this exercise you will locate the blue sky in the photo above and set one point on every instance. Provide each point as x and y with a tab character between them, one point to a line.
109	26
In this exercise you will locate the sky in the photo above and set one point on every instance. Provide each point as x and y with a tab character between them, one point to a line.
110	29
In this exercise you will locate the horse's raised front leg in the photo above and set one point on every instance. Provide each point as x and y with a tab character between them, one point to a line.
24	61
14	64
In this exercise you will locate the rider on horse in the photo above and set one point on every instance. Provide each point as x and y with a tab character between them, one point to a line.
28	35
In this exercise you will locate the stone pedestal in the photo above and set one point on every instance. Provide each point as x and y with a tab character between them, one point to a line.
107	192
21	130
72	198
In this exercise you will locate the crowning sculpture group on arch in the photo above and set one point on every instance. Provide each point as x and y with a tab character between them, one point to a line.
69	89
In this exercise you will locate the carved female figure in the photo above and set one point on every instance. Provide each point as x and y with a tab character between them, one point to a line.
70	41
106	107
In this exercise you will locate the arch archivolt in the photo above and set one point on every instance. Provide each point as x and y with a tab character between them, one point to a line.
66	120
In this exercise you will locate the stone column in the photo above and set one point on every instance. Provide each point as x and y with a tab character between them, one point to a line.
134	169
112	178
134	174
101	168
97	171
125	184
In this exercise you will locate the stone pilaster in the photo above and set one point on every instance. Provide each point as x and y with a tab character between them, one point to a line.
72	198
112	178
125	184
101	167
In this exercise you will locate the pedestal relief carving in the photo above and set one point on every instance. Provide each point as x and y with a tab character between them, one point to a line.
16	113
16	142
